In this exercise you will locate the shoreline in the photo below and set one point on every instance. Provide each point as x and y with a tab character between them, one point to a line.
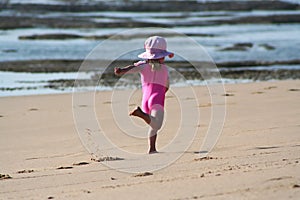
32	77
60	88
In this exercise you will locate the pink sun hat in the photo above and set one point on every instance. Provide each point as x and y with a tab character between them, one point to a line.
156	47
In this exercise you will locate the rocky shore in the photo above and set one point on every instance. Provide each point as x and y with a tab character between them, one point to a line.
153	6
227	70
19	17
51	66
13	22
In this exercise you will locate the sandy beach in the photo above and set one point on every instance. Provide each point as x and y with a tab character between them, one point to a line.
66	146
256	157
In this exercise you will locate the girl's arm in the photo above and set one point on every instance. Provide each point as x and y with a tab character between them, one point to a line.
121	71
136	67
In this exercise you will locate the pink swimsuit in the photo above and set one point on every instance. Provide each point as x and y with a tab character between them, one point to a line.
154	85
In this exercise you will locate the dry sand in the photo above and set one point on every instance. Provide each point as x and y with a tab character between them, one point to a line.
256	157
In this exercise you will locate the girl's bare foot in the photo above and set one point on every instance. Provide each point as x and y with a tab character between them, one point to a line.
136	112
152	151
139	113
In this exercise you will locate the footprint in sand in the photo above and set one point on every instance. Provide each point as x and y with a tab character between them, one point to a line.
143	174
209	104
205	158
258	92
25	171
266	147
205	105
201	125
33	109
296	186
105	158
294	90
228	95
88	131
64	167
169	97
82	106
5	176
270	87
280	178
189	98
74	164
86	191
80	163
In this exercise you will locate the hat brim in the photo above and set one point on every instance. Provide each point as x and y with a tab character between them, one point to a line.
147	55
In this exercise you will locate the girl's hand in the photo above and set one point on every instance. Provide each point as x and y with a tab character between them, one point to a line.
117	71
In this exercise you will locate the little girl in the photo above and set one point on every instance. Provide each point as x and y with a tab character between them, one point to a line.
155	83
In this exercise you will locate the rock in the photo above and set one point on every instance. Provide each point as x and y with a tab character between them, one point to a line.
267	46
9	50
152	6
57	36
238	47
65	36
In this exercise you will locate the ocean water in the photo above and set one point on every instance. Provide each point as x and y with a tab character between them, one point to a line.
83	1
284	38
268	42
23	83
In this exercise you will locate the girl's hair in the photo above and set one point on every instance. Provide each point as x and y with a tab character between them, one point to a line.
155	63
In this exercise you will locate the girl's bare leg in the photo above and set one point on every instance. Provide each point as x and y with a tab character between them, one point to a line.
155	121
157	117
152	143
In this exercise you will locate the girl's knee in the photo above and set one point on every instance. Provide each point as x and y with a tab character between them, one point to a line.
157	117
156	123
156	126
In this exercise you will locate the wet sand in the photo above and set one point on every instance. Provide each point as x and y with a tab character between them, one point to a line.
256	157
